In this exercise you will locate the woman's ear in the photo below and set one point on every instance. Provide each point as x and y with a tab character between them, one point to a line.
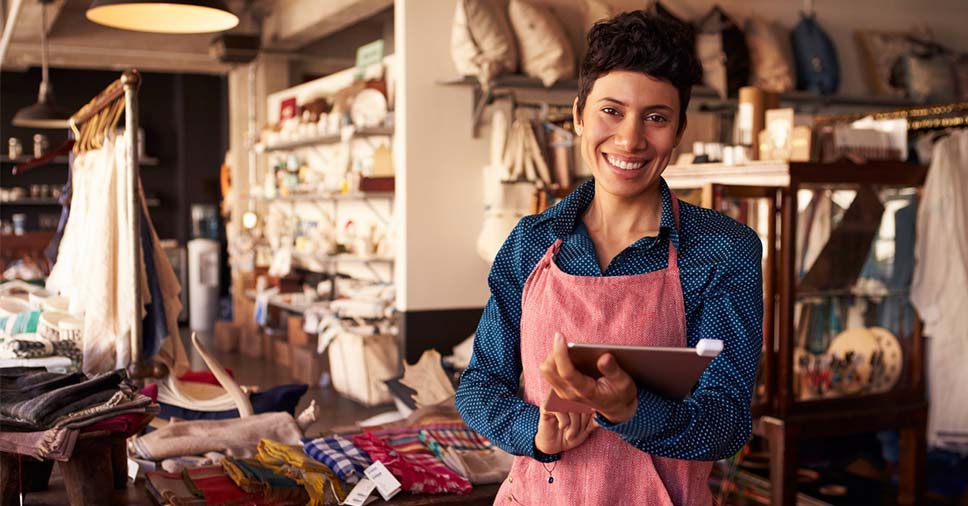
576	117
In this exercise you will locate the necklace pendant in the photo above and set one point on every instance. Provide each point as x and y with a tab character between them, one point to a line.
551	479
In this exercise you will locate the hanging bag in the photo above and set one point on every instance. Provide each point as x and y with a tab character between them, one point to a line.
815	56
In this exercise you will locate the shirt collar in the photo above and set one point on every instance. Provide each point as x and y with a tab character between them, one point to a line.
565	215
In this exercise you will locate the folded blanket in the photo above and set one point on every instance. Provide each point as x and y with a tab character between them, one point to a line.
340	455
201	436
40	411
53	444
323	486
253	477
413	464
170	488
26	346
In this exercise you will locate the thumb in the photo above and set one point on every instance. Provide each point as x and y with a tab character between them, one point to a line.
610	369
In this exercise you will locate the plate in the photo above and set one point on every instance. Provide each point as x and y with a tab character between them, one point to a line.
369	108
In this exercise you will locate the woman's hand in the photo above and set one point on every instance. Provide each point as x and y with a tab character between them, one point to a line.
558	432
614	395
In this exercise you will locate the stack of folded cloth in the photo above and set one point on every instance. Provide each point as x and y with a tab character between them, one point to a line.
42	413
35	334
206	485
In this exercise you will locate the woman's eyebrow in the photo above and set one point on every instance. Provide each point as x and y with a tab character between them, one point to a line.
648	107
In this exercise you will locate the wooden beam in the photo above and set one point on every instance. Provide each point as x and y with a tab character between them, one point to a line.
23	55
295	23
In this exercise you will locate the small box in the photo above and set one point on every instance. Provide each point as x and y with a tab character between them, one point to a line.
376	184
250	342
298	336
307	366
227	335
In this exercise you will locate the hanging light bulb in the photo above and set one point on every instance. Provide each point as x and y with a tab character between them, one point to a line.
45	113
168	16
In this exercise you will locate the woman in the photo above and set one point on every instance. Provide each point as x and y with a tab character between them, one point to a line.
619	261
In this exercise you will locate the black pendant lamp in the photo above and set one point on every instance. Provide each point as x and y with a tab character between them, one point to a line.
45	113
168	16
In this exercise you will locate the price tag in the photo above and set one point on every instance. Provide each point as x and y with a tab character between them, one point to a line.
360	493
386	484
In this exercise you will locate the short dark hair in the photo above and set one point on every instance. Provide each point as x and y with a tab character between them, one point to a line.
639	41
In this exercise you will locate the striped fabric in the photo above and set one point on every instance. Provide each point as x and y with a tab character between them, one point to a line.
458	439
339	453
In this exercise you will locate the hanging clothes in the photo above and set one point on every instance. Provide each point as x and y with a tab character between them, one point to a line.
938	289
94	271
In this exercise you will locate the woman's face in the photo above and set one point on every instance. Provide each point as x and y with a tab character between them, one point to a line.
628	129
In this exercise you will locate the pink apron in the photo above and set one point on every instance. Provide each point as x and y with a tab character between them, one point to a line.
644	309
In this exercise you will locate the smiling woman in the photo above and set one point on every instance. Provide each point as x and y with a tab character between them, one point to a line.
620	261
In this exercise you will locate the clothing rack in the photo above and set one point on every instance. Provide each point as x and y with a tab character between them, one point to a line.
924	117
104	111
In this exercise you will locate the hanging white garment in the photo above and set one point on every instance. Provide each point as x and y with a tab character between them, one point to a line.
939	290
93	268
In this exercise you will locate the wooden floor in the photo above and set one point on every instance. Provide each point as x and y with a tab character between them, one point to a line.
335	411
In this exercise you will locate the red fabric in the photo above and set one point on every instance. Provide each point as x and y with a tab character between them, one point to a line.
417	469
150	390
645	310
202	377
220	490
128	424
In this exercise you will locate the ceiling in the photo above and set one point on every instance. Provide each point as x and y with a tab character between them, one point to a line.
287	27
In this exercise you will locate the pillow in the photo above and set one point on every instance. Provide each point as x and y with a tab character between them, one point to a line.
929	79
722	51
545	50
770	67
481	41
881	52
818	69
595	11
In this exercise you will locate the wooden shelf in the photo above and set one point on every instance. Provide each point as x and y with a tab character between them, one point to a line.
782	174
327	197
322	140
698	92
64	160
151	202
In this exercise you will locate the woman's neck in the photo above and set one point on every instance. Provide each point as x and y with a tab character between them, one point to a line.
615	217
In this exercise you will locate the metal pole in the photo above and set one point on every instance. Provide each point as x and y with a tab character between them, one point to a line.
131	80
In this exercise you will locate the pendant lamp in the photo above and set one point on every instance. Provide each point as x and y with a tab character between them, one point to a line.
45	113
168	16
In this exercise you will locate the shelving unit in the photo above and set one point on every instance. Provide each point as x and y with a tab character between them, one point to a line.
322	140
780	417
326	197
64	160
151	202
507	86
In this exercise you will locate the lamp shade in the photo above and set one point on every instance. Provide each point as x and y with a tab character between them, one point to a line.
171	16
44	114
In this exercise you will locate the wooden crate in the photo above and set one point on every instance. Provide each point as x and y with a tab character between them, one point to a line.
250	342
227	336
297	336
307	366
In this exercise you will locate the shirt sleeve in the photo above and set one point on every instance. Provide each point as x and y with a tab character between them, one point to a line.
714	422
487	397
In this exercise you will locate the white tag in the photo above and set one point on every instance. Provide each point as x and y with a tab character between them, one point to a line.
360	493
709	347
134	470
386	484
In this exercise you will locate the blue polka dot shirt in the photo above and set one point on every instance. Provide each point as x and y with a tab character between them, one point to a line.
721	276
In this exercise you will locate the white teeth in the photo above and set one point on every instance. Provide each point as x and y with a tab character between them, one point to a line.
624	165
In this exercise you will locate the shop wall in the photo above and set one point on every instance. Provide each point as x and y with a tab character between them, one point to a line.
183	116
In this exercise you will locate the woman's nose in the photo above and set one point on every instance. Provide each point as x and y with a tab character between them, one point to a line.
630	134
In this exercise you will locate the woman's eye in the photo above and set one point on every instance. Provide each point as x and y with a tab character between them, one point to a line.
658	118
611	111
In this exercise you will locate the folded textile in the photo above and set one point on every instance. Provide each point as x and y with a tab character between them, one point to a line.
67	348
127	424
20	323
119	404
54	444
170	488
19	383
253	477
201	436
26	346
203	377
43	409
219	490
340	455
468	454
323	486
279	398
413	464
179	464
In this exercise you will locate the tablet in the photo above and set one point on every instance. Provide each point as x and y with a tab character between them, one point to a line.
669	372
